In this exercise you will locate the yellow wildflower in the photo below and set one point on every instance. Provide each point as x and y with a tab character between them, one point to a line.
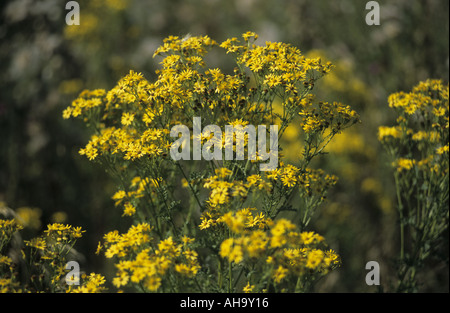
280	273
384	131
248	288
315	257
127	118
442	150
129	210
404	164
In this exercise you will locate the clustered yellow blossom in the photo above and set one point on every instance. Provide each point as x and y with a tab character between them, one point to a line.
327	115
55	242
133	119
63	233
148	263
122	245
92	283
404	164
237	222
46	256
7	228
223	189
309	180
385	131
286	251
7	282
422	125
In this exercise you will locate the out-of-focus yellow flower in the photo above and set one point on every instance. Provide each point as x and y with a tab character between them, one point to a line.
384	131
29	217
404	164
59	217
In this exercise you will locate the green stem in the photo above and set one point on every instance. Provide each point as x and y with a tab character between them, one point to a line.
220	278
230	278
402	224
238	277
190	186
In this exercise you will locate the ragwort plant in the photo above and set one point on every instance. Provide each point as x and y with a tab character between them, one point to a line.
418	146
217	225
39	264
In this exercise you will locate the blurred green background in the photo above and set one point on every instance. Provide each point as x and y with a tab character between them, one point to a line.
44	64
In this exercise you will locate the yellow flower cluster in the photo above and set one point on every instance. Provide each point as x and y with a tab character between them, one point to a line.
63	233
46	257
385	132
423	125
284	63
125	115
189	46
7	229
223	190
404	164
427	94
138	189
144	264
125	139
122	245
8	281
286	252
56	242
237	222
94	283
309	180
328	115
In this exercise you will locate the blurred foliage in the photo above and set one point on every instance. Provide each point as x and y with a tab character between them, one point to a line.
44	64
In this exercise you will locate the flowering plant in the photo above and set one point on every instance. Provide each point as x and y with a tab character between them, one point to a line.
232	227
418	146
40	264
